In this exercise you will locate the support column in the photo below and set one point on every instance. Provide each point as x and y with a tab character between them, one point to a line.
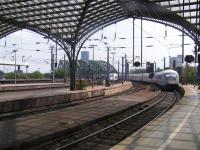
196	60
72	61
56	55
183	43
197	44
141	41
52	63
72	75
65	79
183	39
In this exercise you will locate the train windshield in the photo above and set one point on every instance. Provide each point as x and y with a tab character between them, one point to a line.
111	75
170	75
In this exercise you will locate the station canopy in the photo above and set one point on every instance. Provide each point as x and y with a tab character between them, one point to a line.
73	21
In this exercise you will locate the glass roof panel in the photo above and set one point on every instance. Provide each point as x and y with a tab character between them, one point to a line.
81	15
190	7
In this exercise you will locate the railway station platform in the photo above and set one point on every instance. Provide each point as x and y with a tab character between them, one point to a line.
25	131
15	98
30	86
177	129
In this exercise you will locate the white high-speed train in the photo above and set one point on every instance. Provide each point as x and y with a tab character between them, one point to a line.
113	76
165	79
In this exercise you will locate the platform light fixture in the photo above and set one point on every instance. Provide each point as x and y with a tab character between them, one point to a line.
149	46
149	37
122	38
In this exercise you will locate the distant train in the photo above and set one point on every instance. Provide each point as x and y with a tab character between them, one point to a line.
165	79
168	79
113	76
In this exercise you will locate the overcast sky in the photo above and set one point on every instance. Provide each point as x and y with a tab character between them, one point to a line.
166	42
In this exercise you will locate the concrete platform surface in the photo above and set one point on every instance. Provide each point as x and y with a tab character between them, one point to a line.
27	84
14	132
177	129
15	101
15	95
30	86
27	94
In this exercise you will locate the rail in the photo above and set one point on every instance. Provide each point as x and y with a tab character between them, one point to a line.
123	121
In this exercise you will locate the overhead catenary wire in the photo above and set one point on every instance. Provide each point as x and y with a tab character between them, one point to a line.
151	35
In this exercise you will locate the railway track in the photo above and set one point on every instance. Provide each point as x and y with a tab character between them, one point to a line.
108	133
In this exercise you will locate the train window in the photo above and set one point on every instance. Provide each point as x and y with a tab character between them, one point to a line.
111	75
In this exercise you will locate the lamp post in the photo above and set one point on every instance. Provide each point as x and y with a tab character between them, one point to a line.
155	66
108	65
15	51
118	68
122	70
125	70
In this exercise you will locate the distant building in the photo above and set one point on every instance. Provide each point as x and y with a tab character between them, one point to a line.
175	62
85	55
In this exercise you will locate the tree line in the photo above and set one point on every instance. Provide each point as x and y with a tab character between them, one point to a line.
59	73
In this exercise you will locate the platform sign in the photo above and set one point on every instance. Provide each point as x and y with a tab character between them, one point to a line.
149	67
137	64
189	58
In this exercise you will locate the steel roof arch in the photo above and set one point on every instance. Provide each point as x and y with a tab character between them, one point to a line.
75	20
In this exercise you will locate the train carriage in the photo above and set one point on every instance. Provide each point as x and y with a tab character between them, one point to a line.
165	79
